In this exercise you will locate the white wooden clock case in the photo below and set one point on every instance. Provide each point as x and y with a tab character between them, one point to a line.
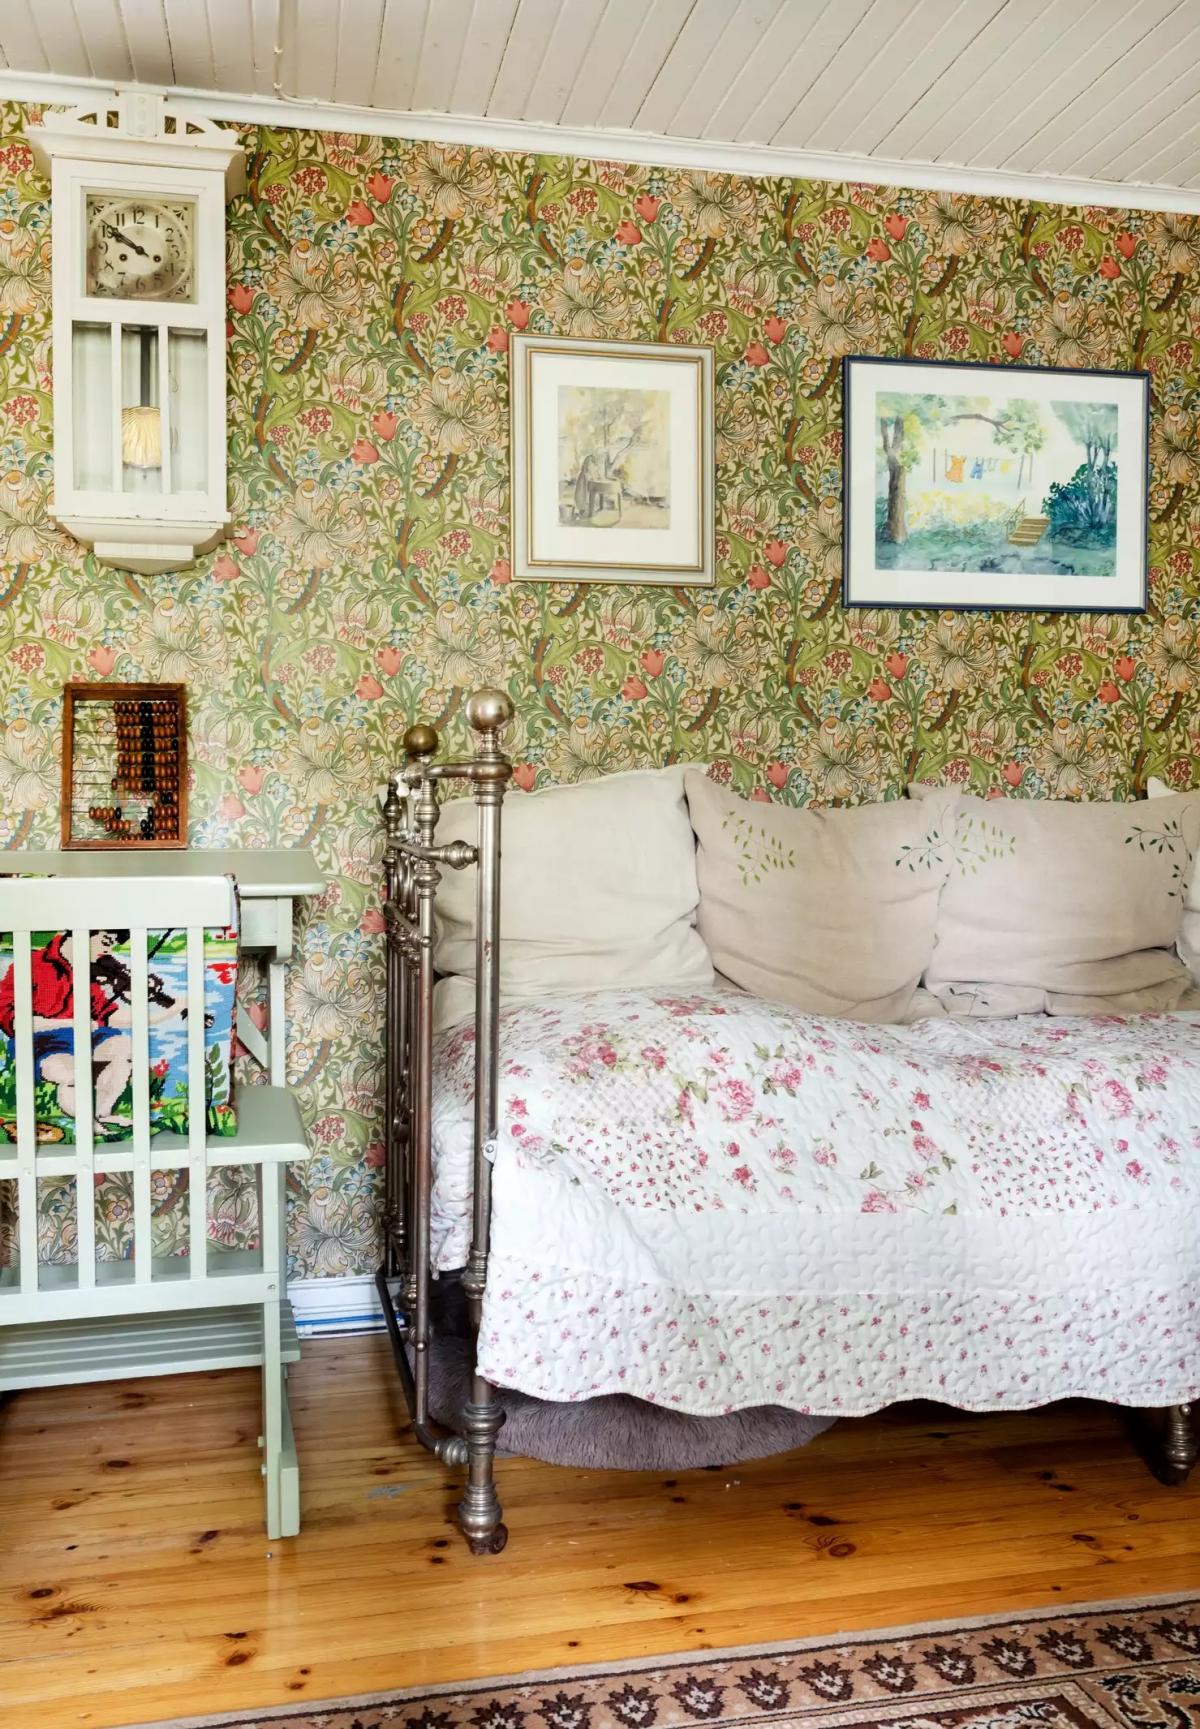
138	145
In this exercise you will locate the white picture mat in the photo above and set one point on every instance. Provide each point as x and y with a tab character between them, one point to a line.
867	585
555	542
548	550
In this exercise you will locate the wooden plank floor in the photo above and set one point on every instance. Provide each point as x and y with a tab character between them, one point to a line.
136	1582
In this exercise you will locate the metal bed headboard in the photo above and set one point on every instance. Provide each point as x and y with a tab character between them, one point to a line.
413	865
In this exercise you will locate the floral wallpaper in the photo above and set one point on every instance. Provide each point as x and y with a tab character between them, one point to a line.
373	289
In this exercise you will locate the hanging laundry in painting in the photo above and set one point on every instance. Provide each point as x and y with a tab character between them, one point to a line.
954	468
977	469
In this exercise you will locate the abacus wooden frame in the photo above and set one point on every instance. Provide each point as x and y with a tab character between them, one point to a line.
75	695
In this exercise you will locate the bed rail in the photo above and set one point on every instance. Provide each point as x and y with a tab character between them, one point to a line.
413	866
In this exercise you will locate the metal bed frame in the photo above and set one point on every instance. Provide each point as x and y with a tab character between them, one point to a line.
413	863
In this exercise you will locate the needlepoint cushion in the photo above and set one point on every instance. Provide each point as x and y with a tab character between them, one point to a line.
53	977
830	910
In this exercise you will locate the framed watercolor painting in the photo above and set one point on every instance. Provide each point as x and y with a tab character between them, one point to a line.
612	461
1016	488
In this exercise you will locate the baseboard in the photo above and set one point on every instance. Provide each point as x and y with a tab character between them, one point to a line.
343	1305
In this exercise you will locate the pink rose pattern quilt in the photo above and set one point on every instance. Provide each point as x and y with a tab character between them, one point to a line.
710	1201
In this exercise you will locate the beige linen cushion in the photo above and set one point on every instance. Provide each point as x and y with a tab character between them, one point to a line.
1189	931
831	910
1063	908
597	888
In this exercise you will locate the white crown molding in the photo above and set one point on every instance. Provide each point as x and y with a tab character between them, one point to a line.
648	149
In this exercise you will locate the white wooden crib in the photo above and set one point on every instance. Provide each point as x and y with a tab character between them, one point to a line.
212	1308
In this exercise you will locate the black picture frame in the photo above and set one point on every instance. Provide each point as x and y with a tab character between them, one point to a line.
917	588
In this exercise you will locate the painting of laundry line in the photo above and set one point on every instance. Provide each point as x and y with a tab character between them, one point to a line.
1002	484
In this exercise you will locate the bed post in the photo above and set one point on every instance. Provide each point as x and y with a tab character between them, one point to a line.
479	1511
395	1105
1179	1448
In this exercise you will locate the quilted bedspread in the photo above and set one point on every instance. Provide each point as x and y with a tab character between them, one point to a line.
711	1202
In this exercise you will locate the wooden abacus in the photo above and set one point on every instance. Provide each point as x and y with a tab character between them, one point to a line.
124	766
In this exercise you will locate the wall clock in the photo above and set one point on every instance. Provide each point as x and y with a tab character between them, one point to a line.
138	190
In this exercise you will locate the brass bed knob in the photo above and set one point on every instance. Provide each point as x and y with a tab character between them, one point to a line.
420	740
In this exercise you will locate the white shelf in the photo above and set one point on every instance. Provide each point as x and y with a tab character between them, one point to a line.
270	1130
110	1348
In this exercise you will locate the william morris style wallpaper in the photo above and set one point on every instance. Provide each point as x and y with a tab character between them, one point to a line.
373	290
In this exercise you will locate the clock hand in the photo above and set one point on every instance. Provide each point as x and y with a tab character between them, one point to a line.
118	234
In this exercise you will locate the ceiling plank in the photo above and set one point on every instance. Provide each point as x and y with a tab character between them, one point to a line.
231	34
1054	79
1169	166
66	48
935	64
690	52
661	24
1155	111
442	49
400	41
22	44
610	48
1127	83
149	43
191	50
313	49
264	24
878	25
775	59
991	67
104	39
359	35
524	52
661	27
889	66
488	31
747	24
1189	172
819	29
1162	140
567	53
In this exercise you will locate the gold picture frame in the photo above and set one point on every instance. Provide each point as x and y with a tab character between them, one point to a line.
612	462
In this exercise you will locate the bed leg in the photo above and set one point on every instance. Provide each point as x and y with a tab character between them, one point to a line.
1178	1448
479	1511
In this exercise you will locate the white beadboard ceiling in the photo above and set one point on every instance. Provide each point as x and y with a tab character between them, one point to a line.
1096	96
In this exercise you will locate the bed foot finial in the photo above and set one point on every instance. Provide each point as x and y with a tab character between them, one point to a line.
479	1511
1178	1449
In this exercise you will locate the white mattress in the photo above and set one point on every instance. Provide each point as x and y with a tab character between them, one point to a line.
712	1202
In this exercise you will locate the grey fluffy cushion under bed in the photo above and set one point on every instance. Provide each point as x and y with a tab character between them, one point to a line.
615	1432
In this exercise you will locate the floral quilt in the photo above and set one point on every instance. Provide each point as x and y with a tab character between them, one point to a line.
711	1202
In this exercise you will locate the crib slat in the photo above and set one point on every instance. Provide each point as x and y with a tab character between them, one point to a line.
27	1244
139	975
197	1111
85	1204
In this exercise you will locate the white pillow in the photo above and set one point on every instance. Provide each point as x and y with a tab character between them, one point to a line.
1189	936
597	888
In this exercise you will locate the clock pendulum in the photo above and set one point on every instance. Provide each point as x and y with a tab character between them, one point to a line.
141	426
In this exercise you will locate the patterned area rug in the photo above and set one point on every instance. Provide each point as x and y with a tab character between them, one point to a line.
1132	1665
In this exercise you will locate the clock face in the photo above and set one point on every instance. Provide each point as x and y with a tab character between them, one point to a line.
140	248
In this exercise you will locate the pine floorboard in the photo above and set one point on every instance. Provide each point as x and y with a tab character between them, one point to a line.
136	1581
